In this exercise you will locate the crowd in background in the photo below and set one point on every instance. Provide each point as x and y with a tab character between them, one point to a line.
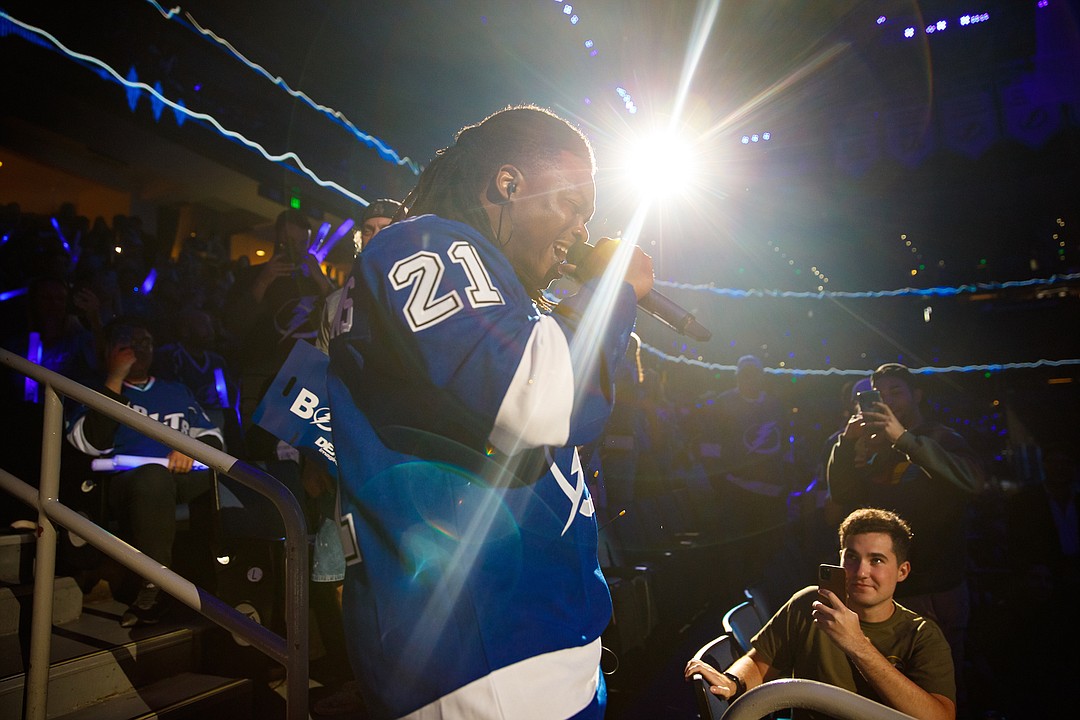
665	454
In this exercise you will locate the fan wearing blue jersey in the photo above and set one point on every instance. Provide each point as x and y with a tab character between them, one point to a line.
143	499
459	395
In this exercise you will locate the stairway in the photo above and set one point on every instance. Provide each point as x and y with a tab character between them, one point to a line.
100	670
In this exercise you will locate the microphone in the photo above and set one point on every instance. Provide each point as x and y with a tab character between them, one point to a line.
662	308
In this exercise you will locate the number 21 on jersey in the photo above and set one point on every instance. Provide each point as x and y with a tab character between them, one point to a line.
423	271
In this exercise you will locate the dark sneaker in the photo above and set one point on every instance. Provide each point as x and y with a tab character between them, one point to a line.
147	609
345	701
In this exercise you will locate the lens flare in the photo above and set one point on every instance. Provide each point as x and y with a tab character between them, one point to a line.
661	165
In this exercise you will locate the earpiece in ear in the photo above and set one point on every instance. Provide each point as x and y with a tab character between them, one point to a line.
511	188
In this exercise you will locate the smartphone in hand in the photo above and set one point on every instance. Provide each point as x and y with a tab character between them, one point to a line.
833	577
866	399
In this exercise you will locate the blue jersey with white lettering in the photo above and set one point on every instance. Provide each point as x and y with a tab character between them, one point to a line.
170	403
457	408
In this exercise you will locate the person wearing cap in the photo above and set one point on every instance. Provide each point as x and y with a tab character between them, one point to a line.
893	456
376	216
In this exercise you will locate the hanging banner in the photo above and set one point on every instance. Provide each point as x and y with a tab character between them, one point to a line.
296	409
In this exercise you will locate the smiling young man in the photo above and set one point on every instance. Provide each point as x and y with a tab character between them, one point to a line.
866	643
457	408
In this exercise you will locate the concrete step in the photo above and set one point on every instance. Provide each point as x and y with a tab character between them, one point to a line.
93	659
16	556
183	696
16	604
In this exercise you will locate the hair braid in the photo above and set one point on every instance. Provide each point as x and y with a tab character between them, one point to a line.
525	135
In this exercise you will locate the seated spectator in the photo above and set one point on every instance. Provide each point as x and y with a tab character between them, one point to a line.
865	643
143	499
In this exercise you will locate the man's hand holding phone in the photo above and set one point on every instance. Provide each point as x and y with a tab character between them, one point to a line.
834	579
866	400
830	612
879	420
864	403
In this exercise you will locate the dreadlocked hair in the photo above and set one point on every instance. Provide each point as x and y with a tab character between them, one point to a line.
526	136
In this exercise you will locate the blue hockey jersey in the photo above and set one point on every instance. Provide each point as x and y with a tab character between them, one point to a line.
170	403
457	408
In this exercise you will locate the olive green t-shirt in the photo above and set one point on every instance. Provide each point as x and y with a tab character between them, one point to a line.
796	647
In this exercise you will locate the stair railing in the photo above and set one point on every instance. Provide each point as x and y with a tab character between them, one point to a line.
808	695
291	651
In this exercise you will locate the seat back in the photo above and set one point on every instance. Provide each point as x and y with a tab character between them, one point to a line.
719	653
757	598
742	622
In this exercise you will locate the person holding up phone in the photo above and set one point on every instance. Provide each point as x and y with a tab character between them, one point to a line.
269	308
891	455
868	644
834	579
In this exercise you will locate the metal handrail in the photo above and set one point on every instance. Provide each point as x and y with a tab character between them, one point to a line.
809	695
291	651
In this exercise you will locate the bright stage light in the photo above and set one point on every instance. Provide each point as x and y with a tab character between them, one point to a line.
661	165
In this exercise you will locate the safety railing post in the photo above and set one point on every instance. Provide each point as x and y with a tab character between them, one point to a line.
37	676
291	651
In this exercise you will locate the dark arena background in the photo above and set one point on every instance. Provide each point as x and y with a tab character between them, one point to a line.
828	186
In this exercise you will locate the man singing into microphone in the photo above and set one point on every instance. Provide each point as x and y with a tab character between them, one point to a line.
457	404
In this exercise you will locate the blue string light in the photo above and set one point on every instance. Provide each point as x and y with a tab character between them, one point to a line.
929	370
916	292
282	158
384	150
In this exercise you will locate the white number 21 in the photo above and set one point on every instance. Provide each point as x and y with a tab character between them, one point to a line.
424	271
